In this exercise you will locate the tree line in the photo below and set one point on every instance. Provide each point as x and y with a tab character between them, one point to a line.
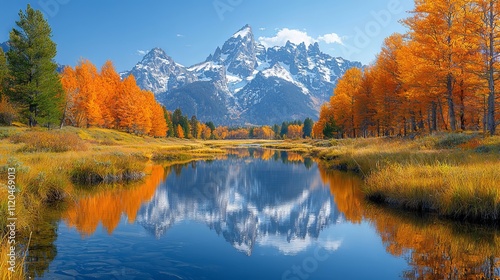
192	128
441	75
33	91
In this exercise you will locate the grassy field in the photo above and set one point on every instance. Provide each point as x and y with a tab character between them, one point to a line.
455	175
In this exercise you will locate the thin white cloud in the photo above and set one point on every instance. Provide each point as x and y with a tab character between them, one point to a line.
142	52
284	35
298	36
262	28
332	38
180	35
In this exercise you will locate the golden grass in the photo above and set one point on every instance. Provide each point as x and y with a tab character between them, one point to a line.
20	260
456	175
49	141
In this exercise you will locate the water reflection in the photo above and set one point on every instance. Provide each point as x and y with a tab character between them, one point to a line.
106	207
250	201
437	249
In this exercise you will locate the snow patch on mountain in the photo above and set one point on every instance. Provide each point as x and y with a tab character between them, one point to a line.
245	73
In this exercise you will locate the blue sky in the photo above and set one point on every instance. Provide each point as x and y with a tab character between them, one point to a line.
189	30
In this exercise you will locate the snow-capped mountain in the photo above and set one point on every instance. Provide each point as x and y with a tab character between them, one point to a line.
246	208
254	84
159	73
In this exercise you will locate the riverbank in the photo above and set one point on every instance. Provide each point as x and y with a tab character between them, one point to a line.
51	165
454	175
54	167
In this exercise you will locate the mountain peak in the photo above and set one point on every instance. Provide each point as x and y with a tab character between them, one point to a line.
156	52
243	32
243	81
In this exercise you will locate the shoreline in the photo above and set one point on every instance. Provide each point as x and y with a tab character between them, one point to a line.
421	175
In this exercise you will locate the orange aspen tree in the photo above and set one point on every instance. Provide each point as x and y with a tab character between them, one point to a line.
435	28
344	100
87	103
486	29
110	83
392	107
71	90
180	131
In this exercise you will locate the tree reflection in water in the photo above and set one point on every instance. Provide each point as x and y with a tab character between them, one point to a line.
433	248
107	206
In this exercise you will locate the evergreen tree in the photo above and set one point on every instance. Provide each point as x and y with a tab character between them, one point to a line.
277	130
211	125
176	120
330	129
251	133
185	126
170	125
3	72
194	127
284	129
34	83
308	127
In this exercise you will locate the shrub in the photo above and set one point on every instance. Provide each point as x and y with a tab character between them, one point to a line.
453	140
7	112
111	168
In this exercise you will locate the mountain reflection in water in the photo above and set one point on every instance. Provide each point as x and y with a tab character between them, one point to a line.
250	199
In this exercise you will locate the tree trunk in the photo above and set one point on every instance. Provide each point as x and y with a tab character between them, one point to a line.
434	117
462	107
491	72
451	105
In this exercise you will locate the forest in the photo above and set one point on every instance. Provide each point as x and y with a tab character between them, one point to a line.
442	75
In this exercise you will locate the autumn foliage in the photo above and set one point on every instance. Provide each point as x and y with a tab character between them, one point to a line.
102	99
441	75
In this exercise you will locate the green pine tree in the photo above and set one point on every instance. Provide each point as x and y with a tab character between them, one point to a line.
194	126
34	83
3	72
308	127
284	129
331	129
170	125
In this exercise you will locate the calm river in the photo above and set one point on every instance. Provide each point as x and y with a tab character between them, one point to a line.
255	214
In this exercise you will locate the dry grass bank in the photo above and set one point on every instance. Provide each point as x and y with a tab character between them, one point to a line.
455	175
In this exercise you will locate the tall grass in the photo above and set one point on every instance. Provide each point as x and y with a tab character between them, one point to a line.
468	191
49	141
20	261
108	168
456	175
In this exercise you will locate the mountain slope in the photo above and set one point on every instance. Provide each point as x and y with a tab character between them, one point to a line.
159	73
273	96
242	82
202	99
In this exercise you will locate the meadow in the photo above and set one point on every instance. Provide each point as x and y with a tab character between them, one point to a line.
453	175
